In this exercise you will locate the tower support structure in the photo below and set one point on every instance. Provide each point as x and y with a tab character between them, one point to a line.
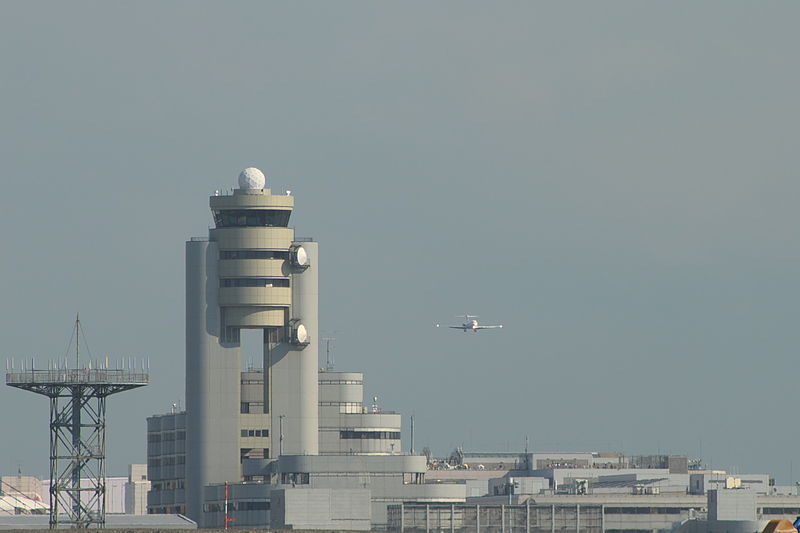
77	437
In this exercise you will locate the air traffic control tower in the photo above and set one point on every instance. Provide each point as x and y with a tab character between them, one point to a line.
250	273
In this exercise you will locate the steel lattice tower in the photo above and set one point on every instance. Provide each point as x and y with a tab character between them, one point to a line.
77	434
77	437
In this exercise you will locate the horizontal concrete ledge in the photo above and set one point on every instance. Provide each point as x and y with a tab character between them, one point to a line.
129	530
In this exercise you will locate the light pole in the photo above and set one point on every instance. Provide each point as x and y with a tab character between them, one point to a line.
280	429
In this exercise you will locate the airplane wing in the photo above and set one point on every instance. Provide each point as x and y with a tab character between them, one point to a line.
453	327
489	327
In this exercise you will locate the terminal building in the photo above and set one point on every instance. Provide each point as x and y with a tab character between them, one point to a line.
597	492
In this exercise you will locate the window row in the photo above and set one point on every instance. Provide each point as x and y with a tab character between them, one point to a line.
254	282
341	382
236	506
254	254
294	478
255	433
252	218
168	436
252	407
348	434
644	510
169	485
166	461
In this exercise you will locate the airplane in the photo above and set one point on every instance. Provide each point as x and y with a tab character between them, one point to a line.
470	324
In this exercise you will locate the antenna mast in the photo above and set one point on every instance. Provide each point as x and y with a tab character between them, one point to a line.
77	338
329	353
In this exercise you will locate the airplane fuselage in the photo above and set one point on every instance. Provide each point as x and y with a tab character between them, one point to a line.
471	325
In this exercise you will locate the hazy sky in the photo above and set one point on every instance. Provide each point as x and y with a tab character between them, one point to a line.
614	181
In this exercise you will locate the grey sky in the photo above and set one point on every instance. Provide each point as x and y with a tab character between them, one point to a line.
614	181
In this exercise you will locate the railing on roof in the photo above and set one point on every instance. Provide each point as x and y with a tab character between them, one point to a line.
76	376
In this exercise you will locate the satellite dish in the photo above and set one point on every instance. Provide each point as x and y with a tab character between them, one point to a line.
302	256
299	256
301	334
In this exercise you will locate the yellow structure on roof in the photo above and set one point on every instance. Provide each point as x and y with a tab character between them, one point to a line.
779	526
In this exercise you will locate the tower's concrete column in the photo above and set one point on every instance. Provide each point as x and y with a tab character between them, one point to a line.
212	382
292	392
305	302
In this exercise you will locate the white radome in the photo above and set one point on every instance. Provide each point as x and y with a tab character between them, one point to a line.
252	178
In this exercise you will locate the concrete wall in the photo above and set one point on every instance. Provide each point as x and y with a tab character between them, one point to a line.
136	497
212	382
732	504
296	395
306	508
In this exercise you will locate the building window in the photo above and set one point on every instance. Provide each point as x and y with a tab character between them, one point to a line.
254	254
254	282
252	218
255	433
294	478
252	506
782	510
645	510
245	409
350	434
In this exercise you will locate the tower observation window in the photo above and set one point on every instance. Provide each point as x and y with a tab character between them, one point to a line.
254	254
254	282
252	218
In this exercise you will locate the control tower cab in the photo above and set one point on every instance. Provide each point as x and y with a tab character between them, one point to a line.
250	273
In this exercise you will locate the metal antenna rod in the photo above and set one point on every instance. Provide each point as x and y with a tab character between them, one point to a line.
328	353
77	338
412	435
